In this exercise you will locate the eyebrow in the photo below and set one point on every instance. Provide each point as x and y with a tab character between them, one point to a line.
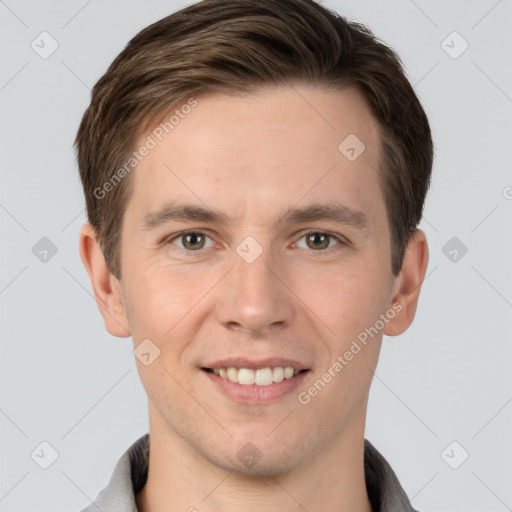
333	212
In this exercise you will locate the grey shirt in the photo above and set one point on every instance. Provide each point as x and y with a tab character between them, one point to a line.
131	472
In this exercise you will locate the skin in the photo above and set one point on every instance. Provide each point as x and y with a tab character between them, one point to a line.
254	158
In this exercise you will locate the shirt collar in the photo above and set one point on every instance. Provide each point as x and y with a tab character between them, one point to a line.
131	472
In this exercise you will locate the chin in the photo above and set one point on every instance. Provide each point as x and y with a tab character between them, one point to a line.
257	457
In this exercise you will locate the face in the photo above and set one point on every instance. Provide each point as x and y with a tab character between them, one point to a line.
263	276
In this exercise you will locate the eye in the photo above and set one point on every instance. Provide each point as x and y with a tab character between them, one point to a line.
194	241
191	241
320	241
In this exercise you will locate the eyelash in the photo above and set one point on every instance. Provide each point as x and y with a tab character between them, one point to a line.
323	252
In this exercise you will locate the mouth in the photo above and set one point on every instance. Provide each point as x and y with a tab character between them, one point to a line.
255	376
259	385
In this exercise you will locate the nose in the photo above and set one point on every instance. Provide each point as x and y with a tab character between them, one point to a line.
254	297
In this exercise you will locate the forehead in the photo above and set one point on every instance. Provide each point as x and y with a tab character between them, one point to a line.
263	153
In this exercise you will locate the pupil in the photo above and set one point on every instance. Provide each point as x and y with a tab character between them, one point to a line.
314	236
192	236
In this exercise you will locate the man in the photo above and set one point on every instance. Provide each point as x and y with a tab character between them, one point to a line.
254	173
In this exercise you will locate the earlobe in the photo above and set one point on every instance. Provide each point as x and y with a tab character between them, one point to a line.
408	284
107	290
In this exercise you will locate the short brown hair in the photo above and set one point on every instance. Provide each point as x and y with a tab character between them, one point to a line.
234	46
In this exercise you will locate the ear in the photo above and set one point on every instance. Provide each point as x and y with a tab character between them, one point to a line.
407	286
107	289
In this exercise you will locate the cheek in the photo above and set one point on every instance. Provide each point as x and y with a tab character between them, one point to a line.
349	303
162	297
162	310
347	298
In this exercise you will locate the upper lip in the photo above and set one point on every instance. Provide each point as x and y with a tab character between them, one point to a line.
243	362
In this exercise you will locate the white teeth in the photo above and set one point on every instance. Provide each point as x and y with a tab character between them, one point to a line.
233	374
246	376
288	373
278	374
263	377
259	377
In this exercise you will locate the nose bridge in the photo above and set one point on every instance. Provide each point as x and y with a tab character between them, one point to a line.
254	297
254	264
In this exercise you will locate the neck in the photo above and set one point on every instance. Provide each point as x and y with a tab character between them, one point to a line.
180	479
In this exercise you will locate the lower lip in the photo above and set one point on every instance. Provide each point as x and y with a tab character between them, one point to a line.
256	394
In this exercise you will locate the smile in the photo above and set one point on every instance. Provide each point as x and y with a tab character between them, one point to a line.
257	377
255	385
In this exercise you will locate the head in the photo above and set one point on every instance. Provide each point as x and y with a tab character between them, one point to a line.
247	111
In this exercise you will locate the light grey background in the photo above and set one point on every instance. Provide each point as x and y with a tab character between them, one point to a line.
66	381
